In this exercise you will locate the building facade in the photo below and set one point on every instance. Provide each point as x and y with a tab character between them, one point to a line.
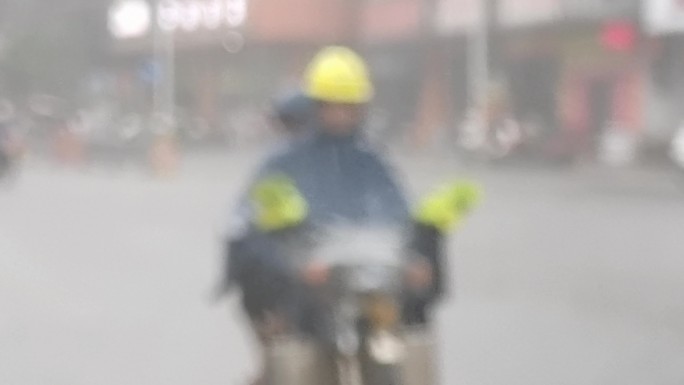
572	67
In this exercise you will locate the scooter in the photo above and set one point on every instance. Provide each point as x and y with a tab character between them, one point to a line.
489	144
359	337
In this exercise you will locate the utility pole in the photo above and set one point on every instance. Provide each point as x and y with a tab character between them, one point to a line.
478	55
484	55
163	153
496	58
430	58
355	9
164	98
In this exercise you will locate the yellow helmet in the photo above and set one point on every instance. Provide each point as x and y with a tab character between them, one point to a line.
338	75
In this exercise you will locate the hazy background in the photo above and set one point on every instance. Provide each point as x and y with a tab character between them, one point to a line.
134	124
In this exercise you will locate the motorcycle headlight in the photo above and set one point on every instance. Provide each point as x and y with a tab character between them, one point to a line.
385	348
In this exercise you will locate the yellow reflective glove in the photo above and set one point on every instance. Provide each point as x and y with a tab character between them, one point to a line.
446	208
278	204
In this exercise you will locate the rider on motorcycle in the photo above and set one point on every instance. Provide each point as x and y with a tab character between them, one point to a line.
329	177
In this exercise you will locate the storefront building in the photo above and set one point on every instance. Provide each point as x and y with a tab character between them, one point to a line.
222	55
663	21
571	68
390	35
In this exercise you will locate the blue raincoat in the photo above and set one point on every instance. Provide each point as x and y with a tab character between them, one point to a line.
343	182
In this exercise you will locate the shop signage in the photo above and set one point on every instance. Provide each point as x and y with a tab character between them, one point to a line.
134	18
192	15
663	17
130	19
456	16
600	9
514	13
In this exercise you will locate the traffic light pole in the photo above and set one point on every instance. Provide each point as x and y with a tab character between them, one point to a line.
478	56
164	88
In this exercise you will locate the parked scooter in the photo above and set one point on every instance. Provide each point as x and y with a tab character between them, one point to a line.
491	142
677	148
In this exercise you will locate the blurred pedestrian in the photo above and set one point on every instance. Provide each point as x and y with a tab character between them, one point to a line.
10	146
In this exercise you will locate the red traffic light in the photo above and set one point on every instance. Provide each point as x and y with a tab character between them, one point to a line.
619	36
